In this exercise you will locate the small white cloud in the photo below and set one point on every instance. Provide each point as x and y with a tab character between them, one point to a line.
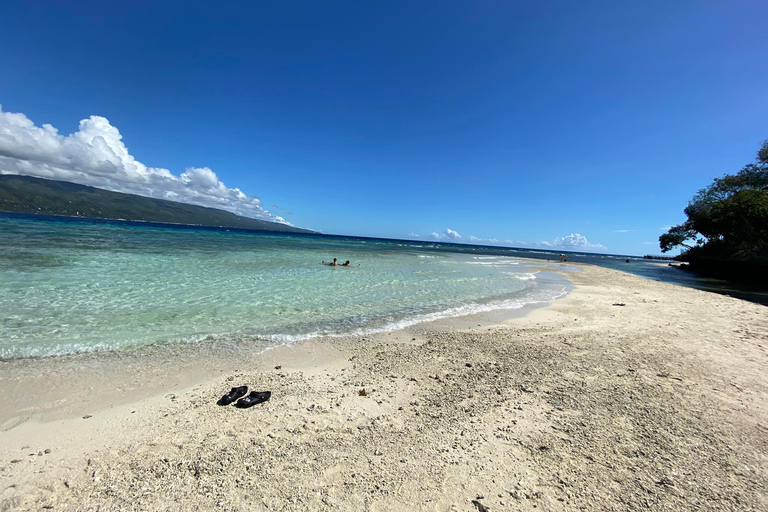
96	155
572	242
479	240
623	230
413	235
448	234
577	242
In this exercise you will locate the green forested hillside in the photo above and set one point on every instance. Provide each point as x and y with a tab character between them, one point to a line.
25	194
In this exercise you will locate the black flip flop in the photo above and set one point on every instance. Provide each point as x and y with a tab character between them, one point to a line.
256	397
233	395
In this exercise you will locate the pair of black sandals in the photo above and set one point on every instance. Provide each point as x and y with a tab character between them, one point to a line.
243	402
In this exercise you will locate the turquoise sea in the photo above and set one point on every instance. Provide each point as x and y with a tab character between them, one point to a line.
68	287
76	285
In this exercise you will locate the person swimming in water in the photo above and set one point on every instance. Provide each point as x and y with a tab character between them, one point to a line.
335	263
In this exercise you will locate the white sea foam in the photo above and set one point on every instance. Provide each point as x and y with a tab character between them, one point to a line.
465	310
493	263
523	276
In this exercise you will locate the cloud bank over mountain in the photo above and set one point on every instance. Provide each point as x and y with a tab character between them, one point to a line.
95	155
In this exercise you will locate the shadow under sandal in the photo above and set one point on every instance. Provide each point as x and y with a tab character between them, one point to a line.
256	397
233	395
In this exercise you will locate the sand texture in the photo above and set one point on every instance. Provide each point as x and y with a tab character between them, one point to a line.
660	403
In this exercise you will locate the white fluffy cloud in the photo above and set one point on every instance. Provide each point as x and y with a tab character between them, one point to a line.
478	240
448	234
574	242
95	155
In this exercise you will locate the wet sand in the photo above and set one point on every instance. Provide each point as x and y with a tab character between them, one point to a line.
660	403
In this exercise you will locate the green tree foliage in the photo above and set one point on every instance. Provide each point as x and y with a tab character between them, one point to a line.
677	235
762	155
728	220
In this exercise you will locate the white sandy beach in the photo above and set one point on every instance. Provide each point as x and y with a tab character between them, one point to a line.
660	403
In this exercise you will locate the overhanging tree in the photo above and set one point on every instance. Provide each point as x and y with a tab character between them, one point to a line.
727	220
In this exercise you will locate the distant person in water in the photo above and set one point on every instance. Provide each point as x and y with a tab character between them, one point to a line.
333	263
345	264
563	258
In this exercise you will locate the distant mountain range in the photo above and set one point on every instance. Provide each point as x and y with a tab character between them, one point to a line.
25	194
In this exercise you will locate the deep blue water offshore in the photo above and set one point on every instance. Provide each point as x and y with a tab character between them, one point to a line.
82	285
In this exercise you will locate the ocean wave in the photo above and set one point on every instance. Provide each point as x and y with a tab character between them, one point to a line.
60	349
525	276
464	310
493	263
70	348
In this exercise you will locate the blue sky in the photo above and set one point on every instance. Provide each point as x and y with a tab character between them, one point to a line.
520	121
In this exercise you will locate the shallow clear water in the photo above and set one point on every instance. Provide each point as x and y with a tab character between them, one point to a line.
77	287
